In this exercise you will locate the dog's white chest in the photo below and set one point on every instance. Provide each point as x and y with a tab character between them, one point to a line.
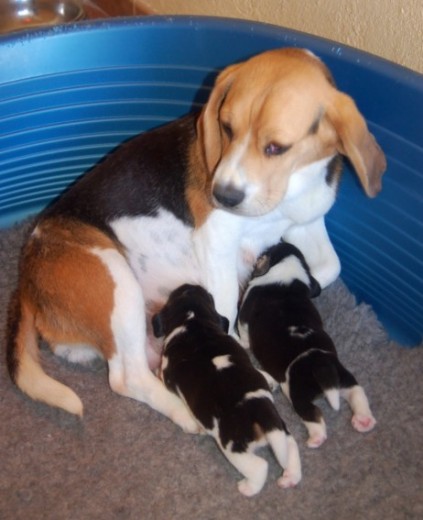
159	250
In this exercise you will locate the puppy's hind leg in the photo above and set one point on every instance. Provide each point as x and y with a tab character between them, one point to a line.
253	467
362	419
129	374
302	402
287	454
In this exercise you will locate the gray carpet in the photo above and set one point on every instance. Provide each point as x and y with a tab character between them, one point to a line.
124	461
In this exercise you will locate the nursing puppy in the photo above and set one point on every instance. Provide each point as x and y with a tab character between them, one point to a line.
229	398
194	201
282	326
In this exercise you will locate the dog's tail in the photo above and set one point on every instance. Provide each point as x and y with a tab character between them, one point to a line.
24	364
327	377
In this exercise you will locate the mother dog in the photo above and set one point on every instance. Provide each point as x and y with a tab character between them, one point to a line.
194	201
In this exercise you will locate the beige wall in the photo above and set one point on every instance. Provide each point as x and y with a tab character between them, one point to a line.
392	29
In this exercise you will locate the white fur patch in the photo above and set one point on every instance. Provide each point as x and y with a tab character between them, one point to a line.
284	272
300	332
230	170
165	362
159	250
77	353
258	394
175	332
221	362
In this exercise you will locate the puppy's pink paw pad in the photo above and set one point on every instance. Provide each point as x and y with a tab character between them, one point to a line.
288	480
316	441
363	423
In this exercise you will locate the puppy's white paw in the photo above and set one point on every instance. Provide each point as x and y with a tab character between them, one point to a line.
316	440
363	423
288	479
316	433
247	488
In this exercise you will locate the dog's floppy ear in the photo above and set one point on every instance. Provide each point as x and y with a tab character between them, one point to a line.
208	127
157	322
356	142
262	266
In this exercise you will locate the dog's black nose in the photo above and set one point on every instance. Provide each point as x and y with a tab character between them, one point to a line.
228	195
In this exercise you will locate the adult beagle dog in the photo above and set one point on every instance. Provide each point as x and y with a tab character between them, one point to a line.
194	201
229	398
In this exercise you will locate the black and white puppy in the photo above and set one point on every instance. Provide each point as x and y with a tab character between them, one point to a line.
282	326
228	397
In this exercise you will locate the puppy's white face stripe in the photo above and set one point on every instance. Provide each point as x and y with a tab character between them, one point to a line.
175	332
258	394
221	362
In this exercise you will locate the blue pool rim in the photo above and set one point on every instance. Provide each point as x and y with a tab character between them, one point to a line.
70	94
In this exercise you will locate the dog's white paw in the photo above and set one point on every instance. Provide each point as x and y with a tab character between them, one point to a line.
288	479
363	423
247	488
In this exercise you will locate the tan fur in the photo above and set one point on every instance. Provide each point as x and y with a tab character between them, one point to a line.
198	189
66	296
285	97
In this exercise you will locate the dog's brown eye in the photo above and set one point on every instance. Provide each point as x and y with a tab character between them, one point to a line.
273	149
228	131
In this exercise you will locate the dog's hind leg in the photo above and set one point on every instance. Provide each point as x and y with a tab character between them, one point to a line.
362	419
312	418
253	467
129	373
286	452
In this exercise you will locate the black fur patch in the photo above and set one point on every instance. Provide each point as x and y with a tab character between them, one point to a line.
144	174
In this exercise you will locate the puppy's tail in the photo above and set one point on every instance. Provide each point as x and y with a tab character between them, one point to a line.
24	364
327	377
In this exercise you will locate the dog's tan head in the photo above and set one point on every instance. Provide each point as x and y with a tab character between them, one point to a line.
272	116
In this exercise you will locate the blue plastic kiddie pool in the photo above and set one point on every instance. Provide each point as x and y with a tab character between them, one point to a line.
70	94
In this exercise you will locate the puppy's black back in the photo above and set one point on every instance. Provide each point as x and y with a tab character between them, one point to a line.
211	370
283	324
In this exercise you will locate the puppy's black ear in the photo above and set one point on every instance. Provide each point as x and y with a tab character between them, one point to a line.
224	323
262	266
315	288
157	322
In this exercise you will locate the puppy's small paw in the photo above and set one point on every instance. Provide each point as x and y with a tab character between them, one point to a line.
363	423
246	488
316	441
288	480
